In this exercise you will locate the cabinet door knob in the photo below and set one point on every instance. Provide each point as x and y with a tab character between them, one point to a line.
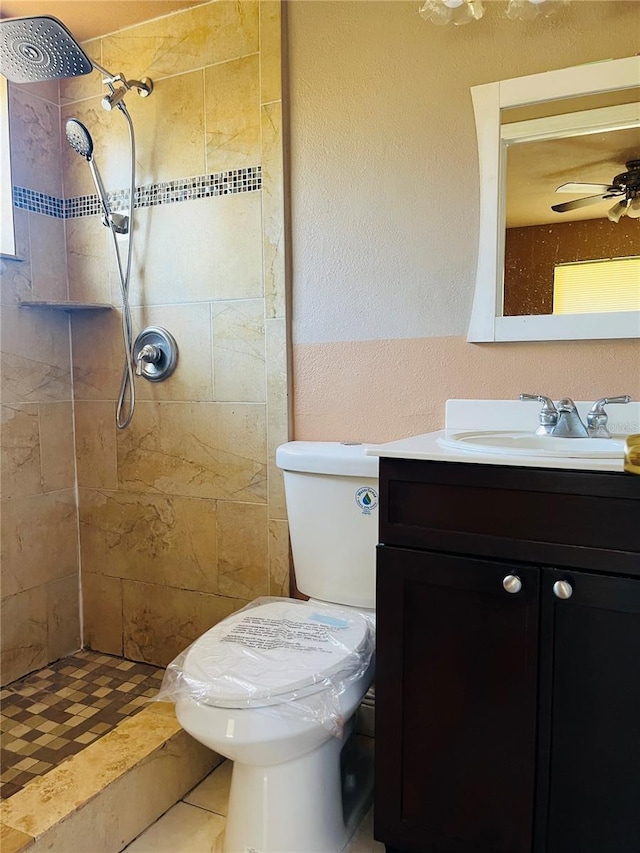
512	583
562	589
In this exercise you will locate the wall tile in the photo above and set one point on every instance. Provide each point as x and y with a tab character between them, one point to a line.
57	446
98	355
242	550
87	259
48	257
160	622
23	628
270	51
152	538
96	444
31	560
194	251
277	411
78	88
63	617
48	90
279	559
102	613
20	442
35	142
205	34
214	450
35	355
232	114
190	325
15	275
169	127
239	351
273	210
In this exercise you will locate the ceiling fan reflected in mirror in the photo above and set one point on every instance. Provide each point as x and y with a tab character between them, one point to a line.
625	187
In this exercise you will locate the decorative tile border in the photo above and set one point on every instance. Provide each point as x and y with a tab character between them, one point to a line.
168	192
38	202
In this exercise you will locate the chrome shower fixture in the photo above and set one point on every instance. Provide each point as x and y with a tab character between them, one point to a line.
42	48
80	140
143	87
34	49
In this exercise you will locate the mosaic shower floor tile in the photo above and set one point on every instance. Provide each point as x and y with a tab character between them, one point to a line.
52	714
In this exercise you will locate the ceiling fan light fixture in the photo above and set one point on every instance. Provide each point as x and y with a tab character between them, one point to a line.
615	213
458	12
633	209
527	10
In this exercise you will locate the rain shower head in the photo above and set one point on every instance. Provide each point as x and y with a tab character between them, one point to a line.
79	138
34	49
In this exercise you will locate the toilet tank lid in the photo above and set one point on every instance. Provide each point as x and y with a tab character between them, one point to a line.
327	457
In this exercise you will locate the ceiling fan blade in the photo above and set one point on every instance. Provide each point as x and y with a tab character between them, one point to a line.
582	188
580	202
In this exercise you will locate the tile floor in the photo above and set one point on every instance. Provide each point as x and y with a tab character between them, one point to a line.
196	823
54	713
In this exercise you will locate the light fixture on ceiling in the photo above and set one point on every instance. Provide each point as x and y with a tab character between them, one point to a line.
452	11
633	208
463	11
627	207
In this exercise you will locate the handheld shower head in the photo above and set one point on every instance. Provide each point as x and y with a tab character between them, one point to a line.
42	48
79	138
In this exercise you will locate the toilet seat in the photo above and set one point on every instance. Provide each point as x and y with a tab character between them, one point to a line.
277	651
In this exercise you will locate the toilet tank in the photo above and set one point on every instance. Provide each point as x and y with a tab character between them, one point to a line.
332	504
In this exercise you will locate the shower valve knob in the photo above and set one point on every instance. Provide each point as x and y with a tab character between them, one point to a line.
149	354
155	353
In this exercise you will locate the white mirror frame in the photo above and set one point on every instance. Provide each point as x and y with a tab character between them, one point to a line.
487	322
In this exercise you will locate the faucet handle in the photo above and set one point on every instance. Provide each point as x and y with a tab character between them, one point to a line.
548	416
597	417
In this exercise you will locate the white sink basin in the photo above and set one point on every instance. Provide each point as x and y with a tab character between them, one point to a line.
529	444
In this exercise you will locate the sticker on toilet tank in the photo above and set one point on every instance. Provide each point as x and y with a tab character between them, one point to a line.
367	499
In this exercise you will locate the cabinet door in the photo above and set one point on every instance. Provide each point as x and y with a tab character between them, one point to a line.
590	715
455	704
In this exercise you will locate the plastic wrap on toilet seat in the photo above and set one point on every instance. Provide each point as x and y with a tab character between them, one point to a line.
288	658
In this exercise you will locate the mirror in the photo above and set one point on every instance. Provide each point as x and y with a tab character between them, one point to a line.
534	134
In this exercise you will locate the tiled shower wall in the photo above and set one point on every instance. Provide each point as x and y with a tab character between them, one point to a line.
181	516
39	565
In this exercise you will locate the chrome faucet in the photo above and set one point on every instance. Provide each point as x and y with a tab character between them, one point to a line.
548	417
562	420
597	417
569	424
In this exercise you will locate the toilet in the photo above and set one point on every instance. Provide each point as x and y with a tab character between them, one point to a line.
275	686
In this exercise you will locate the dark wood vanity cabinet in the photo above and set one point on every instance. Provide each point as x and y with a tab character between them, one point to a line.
507	721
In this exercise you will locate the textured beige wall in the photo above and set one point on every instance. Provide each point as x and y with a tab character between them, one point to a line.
39	565
385	199
181	516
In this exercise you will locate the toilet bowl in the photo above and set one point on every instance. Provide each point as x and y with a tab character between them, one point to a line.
275	686
270	687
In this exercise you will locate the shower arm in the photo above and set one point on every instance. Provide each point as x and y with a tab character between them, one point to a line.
143	87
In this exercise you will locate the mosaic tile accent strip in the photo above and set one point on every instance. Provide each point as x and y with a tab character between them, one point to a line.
38	202
168	192
54	713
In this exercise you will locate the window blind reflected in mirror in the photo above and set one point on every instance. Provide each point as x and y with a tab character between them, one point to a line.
590	287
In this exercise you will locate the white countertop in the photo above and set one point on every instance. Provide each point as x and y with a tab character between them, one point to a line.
495	415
